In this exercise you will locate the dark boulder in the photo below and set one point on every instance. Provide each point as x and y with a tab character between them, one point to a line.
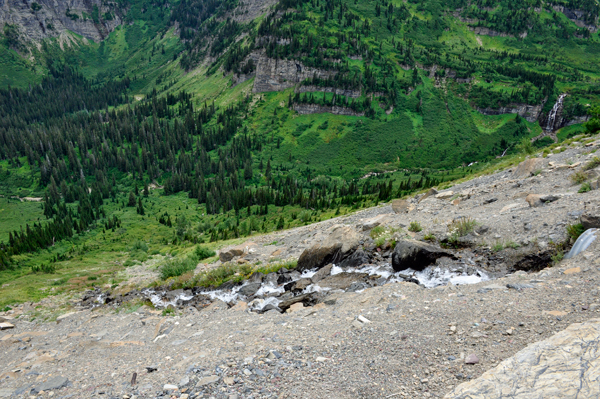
417	255
249	289
356	259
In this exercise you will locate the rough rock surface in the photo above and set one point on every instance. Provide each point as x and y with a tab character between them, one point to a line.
565	365
51	20
278	75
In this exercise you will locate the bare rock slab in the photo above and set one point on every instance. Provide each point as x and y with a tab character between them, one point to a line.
565	365
53	383
528	167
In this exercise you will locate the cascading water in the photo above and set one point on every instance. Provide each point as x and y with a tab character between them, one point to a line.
554	112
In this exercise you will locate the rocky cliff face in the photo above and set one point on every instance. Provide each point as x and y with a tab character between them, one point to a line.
92	19
277	75
305	109
529	112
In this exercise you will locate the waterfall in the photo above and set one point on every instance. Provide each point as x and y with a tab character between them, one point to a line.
552	115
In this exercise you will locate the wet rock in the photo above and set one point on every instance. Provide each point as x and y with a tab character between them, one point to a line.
416	255
322	273
301	284
250	289
528	168
256	277
534	262
341	281
271	279
358	258
53	383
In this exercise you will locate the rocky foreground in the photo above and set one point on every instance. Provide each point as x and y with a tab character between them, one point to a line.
379	335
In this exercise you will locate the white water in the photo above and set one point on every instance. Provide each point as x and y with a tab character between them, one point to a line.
432	276
553	112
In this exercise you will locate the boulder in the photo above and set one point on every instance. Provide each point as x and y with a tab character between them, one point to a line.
225	256
528	168
306	299
445	195
357	258
301	284
342	241
590	220
400	206
249	289
535	200
322	273
372	223
416	255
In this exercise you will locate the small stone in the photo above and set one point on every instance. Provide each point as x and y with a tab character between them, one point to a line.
247	372
151	369
321	359
169	387
6	326
229	380
208	380
363	319
572	270
184	396
472	359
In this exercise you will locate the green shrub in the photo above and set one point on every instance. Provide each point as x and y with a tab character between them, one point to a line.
585	187
525	146
415	227
203	252
575	230
139	246
47	269
177	267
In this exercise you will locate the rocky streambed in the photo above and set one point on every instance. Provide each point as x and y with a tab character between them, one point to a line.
334	266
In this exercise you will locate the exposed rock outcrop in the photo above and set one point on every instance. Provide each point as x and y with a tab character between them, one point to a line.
305	109
564	365
277	75
56	18
530	112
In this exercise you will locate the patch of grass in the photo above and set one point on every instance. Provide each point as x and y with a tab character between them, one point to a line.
575	230
168	312
429	237
594	163
578	177
558	256
497	247
415	227
585	187
377	231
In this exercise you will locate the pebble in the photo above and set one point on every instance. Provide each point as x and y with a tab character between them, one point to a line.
472	359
